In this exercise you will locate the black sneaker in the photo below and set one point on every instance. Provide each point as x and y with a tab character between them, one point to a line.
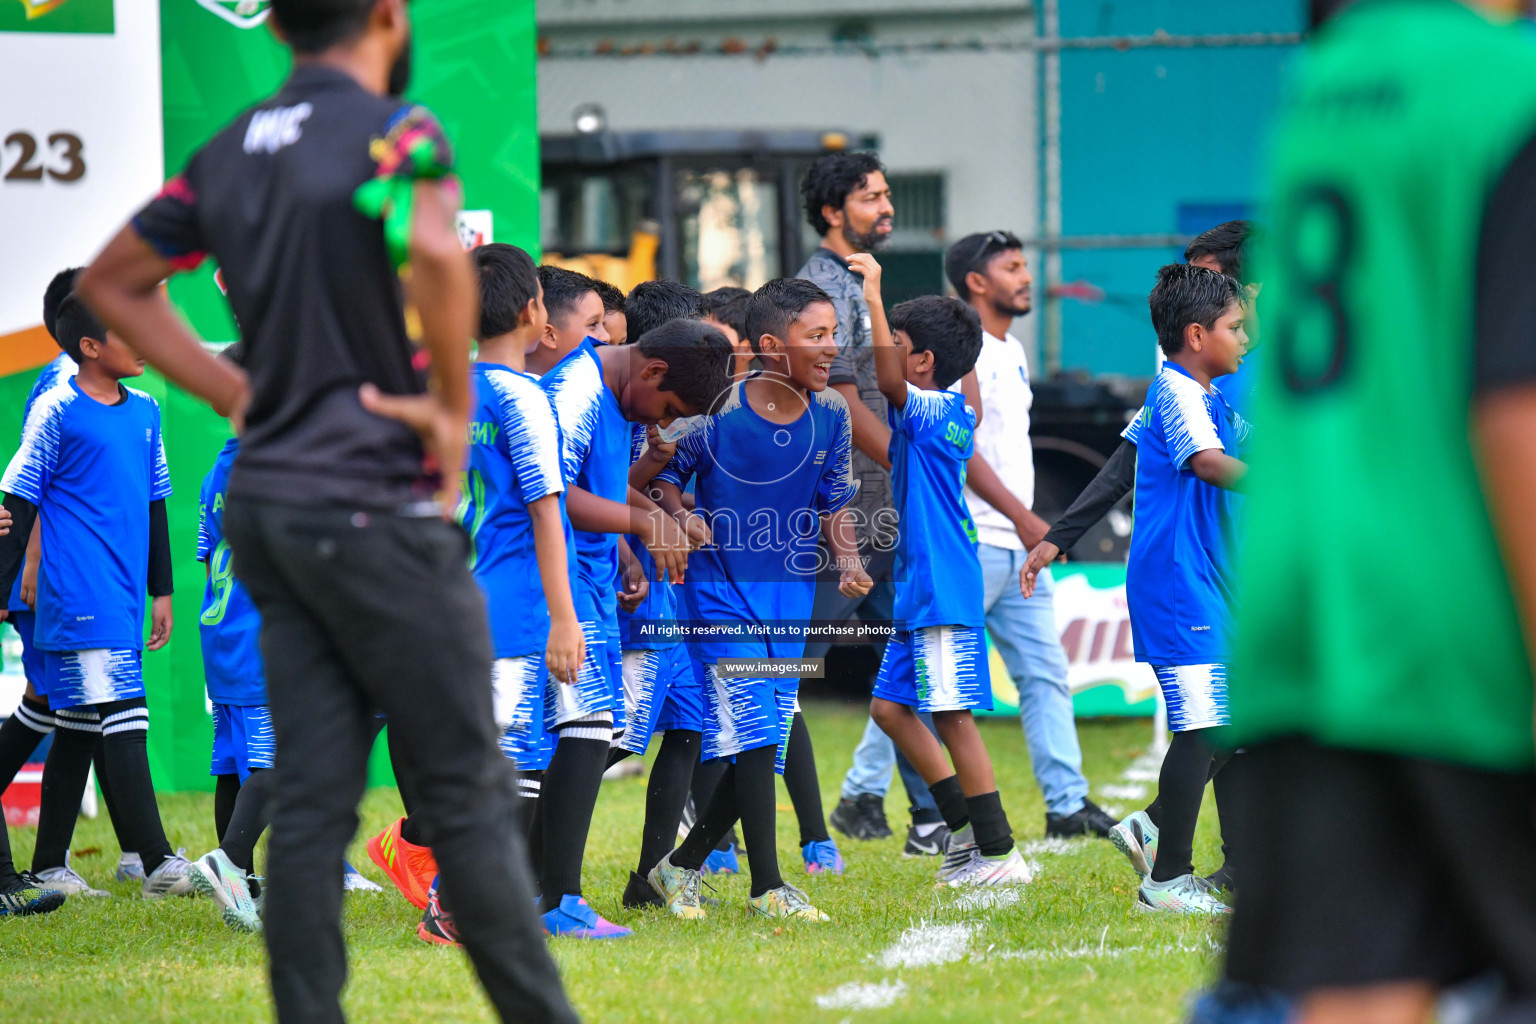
930	845
863	817
1091	820
638	893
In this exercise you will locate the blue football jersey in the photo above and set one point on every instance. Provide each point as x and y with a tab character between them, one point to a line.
61	367
1179	578
762	487
92	470
595	444
514	460
230	625
938	573
660	604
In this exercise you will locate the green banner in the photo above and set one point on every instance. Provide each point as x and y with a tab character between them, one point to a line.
474	66
93	17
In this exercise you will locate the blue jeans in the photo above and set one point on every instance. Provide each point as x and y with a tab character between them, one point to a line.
1024	632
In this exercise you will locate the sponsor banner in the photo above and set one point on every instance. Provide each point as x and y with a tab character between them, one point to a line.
1095	631
79	151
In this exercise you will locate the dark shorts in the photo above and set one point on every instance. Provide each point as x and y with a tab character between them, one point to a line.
1361	868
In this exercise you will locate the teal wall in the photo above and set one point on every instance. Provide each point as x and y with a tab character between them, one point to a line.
1146	131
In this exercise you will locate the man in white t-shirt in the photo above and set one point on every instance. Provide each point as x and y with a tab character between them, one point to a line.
989	271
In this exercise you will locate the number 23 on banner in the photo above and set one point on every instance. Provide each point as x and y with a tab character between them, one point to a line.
62	159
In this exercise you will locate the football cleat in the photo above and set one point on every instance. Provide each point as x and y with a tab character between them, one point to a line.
172	878
67	881
787	902
214	875
959	851
1009	869
680	888
822	857
130	868
411	867
930	845
26	897
437	925
353	880
1136	837
573	918
723	862
1186	894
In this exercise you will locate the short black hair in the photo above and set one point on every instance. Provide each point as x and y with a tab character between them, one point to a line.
612	296
1227	243
778	304
310	26
653	303
945	326
973	252
831	179
1186	294
698	358
76	321
729	306
62	284
508	282
563	289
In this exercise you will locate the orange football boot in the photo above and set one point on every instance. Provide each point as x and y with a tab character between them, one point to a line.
410	867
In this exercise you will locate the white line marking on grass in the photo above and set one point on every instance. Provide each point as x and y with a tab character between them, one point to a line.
1101	952
927	945
858	995
988	899
1127	791
1054	846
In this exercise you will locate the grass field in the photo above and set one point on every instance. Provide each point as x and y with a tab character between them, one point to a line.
1072	947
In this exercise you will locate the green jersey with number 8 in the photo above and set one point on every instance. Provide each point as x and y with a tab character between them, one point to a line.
1375	611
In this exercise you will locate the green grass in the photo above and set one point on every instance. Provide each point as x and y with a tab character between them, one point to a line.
1073	948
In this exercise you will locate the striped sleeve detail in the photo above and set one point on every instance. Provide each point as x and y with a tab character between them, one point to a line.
574	389
922	411
837	486
32	467
529	433
1185	413
159	472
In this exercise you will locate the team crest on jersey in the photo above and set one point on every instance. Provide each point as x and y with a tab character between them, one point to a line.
239	13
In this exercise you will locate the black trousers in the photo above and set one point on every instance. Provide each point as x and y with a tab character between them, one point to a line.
365	611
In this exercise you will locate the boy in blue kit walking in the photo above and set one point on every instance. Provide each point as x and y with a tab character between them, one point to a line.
92	464
937	663
771	467
1179	579
513	506
598	392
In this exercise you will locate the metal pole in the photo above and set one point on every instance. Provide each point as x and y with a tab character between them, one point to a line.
1051	158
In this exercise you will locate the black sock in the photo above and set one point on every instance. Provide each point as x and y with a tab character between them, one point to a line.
1180	787
410	831
706	778
64	777
226	790
250	817
9	879
19	736
1154	811
125	733
715	819
1226	780
665	794
99	759
994	836
530	784
755	802
571	784
804	788
951	800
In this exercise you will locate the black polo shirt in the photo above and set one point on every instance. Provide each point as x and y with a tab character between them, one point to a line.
273	198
